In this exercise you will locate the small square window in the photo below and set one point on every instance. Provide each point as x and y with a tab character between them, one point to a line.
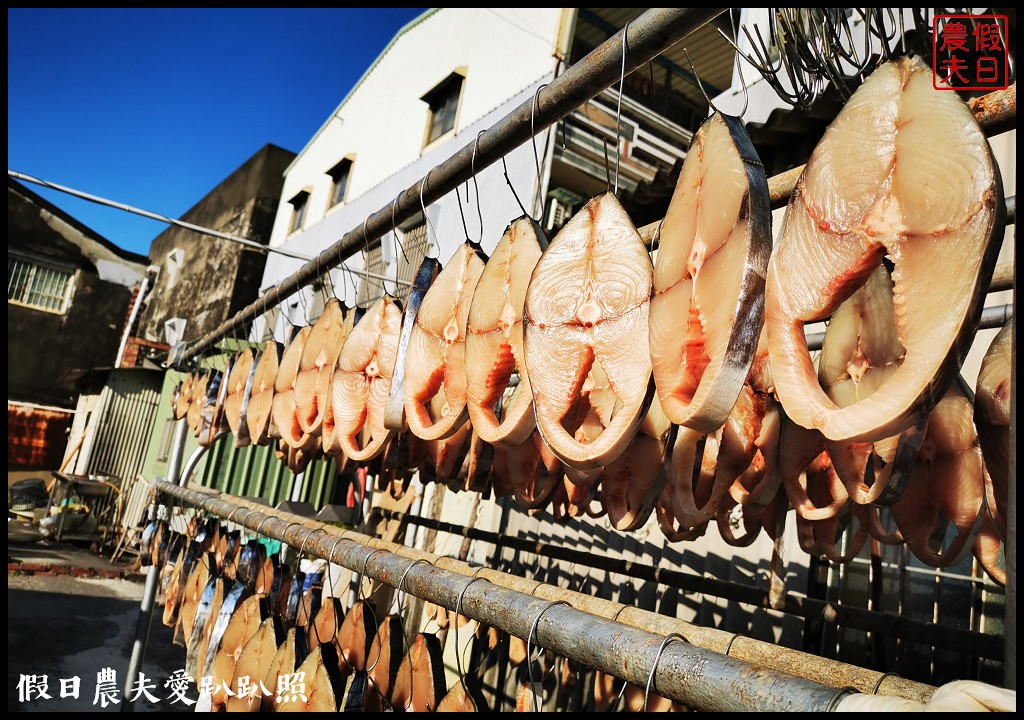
298	204
38	285
443	101
340	175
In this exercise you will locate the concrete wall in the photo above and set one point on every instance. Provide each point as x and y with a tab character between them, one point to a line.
216	277
48	354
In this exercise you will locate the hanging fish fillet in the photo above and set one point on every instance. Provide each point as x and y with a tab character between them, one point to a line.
362	381
284	408
394	414
588	300
385	655
253	663
321	684
530	472
259	411
198	398
947	486
713	249
211	414
243	622
691	476
494	342
861	350
632	483
183	396
904	171
442	458
436	356
800	448
316	366
191	595
238	377
355	637
992	418
290	654
420	683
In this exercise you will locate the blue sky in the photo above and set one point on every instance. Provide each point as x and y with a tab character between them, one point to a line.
154	107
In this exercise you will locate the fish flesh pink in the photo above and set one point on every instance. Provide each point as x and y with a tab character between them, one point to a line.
589	299
632	483
992	409
362	381
316	366
947	485
436	357
494	342
799	449
284	408
860	351
259	411
713	249
903	171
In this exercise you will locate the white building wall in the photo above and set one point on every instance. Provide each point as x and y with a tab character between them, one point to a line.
505	53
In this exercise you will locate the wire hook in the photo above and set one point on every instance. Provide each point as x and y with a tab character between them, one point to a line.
618	109
458	653
654	667
426	218
533	142
476	188
529	638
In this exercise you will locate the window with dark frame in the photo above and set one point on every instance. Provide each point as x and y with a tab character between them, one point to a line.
298	204
38	285
443	101
340	175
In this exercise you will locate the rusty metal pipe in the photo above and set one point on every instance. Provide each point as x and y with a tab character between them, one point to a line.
831	672
699	678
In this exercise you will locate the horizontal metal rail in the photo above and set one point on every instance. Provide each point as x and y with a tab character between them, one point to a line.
327	542
646	37
965	641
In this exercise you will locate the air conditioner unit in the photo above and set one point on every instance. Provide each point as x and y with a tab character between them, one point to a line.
558	214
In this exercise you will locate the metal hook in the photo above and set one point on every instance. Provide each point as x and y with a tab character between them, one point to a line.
302	547
394	233
739	65
458	653
700	85
462	214
400	598
533	142
529	637
476	188
508	181
618	108
260	525
423	207
654	667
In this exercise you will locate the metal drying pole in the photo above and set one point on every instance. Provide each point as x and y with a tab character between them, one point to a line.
699	678
656	30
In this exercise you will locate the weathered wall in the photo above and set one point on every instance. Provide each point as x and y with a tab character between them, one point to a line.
49	353
217	277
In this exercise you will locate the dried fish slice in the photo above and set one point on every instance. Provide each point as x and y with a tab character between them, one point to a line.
436	356
494	342
713	250
905	171
589	299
